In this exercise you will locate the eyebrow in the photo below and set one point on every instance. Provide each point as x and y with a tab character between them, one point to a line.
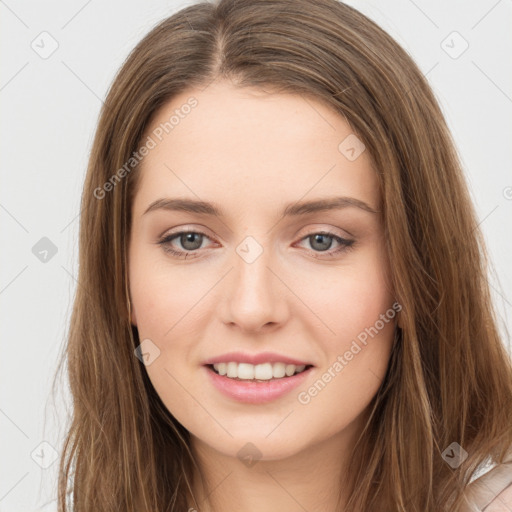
291	210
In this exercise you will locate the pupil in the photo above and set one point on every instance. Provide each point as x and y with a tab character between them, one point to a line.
189	238
323	246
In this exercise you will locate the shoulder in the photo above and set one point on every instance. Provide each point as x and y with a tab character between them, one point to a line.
492	491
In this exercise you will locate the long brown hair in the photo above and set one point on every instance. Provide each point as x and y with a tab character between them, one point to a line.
450	376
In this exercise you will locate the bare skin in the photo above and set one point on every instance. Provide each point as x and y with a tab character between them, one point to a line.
252	153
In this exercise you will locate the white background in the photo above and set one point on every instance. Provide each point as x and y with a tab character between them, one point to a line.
49	112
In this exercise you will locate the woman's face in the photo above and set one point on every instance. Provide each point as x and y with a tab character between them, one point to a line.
256	277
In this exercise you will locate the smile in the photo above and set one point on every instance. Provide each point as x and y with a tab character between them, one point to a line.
255	390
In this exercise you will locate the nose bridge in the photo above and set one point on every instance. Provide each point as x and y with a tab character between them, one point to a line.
253	298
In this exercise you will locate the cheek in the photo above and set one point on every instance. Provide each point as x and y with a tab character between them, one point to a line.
163	298
349	299
356	332
170	313
358	310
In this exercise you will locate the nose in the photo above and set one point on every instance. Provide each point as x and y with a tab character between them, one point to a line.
254	296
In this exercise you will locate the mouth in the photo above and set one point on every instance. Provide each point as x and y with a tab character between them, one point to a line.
257	384
265	372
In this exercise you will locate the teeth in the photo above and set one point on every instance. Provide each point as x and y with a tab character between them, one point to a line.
265	371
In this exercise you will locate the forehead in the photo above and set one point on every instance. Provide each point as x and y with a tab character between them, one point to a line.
256	147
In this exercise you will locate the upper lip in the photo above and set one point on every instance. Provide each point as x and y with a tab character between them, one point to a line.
262	357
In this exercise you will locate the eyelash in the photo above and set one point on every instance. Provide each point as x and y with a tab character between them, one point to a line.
345	244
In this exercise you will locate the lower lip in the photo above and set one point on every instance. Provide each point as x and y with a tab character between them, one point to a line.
256	392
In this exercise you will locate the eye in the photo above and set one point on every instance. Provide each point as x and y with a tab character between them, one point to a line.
192	241
321	242
189	241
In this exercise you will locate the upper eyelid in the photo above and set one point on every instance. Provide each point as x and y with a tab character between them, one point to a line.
202	231
176	234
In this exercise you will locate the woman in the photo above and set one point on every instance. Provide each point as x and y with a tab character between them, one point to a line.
283	300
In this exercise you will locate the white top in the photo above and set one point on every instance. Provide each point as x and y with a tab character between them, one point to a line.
491	488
